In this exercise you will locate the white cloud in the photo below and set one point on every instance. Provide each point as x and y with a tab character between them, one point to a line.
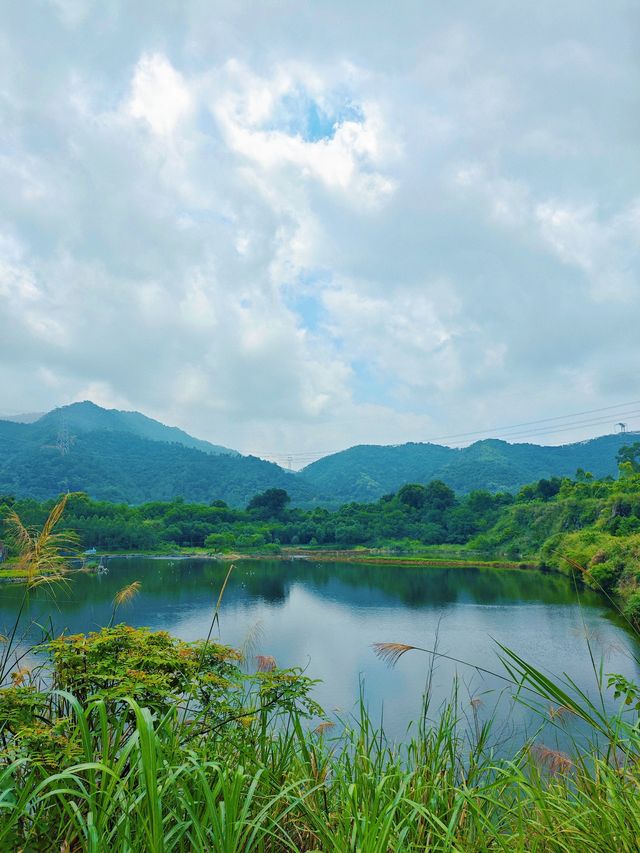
409	337
347	159
300	229
159	95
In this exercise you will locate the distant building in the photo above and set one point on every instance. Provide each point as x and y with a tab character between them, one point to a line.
90	551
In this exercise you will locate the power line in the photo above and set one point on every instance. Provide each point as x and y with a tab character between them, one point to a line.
513	431
560	429
563	427
63	441
540	421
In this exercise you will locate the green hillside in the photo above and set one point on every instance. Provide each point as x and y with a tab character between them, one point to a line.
126	456
367	472
87	417
112	456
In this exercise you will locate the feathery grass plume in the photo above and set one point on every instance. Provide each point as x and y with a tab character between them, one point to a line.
41	559
252	641
127	593
391	653
266	663
124	596
553	760
323	727
40	551
20	675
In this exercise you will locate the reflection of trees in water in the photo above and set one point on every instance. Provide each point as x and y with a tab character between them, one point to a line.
195	584
423	586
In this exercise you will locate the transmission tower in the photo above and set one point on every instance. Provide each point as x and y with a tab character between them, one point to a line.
621	427
63	441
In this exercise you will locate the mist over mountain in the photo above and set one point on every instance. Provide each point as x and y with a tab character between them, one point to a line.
126	456
24	418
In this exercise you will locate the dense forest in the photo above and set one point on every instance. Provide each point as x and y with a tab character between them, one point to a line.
120	466
416	515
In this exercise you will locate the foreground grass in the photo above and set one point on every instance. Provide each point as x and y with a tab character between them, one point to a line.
211	757
131	783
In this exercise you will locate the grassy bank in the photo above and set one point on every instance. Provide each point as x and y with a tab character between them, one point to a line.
376	557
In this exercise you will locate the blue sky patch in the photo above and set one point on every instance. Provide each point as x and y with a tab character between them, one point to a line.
300	115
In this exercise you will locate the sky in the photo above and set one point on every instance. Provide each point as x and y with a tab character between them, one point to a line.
291	226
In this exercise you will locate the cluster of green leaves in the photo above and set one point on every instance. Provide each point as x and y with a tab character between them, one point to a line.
150	667
587	527
202	686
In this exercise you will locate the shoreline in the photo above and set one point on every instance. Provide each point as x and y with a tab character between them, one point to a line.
320	556
347	556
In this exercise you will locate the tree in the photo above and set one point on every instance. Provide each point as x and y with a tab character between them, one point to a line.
269	504
630	453
548	489
439	495
413	494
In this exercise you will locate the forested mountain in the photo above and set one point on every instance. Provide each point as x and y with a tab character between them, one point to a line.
125	456
87	417
367	472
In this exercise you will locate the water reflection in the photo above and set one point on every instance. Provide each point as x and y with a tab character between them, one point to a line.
326	616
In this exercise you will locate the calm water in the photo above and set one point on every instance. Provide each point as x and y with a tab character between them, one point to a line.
325	617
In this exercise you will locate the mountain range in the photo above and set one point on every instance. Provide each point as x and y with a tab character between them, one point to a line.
126	456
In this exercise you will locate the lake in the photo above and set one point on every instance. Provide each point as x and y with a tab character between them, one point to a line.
326	616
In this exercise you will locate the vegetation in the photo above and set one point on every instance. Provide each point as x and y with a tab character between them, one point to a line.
416	516
122	456
126	457
129	740
366	472
249	774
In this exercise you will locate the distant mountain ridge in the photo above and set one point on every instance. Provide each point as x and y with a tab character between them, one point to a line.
366	472
24	418
125	456
88	417
128	457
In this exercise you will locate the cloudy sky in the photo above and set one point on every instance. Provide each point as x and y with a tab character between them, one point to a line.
292	226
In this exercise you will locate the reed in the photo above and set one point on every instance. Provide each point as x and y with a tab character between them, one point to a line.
129	787
124	596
